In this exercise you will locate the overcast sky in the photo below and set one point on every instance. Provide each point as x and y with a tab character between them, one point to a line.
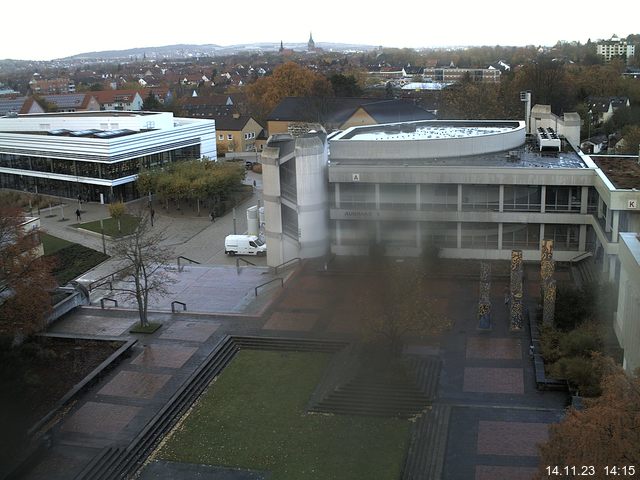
42	30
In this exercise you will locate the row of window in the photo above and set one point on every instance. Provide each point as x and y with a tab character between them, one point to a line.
108	171
473	197
445	234
247	136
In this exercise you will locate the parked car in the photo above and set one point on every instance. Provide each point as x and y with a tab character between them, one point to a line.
244	245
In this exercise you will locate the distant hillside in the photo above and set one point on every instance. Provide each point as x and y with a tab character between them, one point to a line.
187	50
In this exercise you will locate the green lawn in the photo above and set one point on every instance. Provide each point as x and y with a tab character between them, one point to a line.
254	417
128	223
53	244
70	259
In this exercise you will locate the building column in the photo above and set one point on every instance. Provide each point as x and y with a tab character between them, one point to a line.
600	202
500	231
500	205
584	200
541	236
607	221
582	238
459	198
459	236
543	200
338	233
612	267
418	235
378	199
615	225
337	194
418	203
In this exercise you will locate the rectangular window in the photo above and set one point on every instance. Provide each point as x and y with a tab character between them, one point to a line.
229	136
221	137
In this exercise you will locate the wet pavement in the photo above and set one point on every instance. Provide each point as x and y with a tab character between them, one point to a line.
487	379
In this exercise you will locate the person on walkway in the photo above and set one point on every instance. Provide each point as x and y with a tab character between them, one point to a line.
507	297
78	217
152	214
212	216
254	184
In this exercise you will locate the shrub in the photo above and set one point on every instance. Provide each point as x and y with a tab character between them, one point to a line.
581	372
581	342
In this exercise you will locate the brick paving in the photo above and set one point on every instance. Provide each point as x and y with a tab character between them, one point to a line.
494	348
164	356
106	418
494	472
511	438
482	376
135	385
493	380
296	322
190	331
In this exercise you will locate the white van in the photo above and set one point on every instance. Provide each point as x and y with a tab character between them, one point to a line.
244	245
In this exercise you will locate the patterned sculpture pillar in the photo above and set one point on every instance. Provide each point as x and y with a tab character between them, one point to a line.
547	269
516	315
549	302
484	302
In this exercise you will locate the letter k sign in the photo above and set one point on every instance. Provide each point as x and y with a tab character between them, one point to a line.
632	204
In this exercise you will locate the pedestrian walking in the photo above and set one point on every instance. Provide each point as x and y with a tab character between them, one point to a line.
78	217
254	184
531	350
212	216
152	214
507	297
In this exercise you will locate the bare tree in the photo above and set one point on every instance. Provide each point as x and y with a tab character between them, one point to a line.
144	259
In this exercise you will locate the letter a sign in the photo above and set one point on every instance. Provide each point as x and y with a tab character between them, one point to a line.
355	177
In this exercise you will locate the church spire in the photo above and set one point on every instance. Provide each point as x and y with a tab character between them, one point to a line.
311	45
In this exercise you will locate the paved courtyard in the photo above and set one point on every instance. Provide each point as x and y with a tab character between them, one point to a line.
497	415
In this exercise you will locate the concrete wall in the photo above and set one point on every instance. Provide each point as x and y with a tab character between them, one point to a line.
627	318
343	147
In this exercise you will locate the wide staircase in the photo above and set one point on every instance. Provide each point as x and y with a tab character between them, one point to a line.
426	454
403	391
584	270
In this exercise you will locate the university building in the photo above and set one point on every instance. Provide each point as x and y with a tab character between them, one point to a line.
96	154
475	189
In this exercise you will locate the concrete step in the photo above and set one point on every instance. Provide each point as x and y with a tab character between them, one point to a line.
427	448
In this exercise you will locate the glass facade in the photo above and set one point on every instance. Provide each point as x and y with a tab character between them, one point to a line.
85	169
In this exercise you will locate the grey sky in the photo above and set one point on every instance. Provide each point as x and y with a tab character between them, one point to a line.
46	31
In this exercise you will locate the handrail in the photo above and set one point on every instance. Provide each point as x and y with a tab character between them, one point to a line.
109	282
580	257
173	306
185	258
111	276
238	259
297	259
102	300
267	283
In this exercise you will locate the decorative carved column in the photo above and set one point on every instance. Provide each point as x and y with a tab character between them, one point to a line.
549	305
484	303
515	314
547	270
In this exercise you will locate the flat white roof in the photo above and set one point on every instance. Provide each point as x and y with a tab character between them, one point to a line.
428	132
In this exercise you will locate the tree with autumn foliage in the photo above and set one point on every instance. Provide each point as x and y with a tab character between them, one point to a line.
605	433
287	80
25	277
